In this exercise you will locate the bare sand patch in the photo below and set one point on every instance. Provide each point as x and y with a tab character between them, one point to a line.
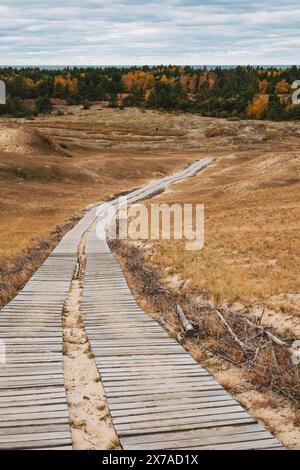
272	411
25	141
90	420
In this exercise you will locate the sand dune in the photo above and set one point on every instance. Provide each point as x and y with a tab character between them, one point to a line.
25	141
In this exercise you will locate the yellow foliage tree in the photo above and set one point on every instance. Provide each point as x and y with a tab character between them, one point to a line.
29	83
283	87
263	86
66	82
193	84
138	79
184	82
256	109
164	79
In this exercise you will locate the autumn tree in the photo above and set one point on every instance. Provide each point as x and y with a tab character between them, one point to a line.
257	108
243	91
282	87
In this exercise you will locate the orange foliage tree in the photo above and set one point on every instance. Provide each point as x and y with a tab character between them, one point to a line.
283	87
257	107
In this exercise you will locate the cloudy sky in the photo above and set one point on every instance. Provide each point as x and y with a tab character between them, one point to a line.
112	32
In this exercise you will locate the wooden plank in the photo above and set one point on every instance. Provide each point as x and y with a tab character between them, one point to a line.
242	439
34	437
29	408
130	391
153	419
20	382
144	380
43	443
157	397
252	445
34	429
203	422
155	439
167	408
48	400
31	391
20	423
168	398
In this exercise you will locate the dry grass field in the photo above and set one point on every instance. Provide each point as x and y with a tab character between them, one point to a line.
53	167
252	219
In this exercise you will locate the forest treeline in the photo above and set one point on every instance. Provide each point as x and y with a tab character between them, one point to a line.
241	92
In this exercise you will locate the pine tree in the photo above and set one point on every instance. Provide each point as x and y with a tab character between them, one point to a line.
275	109
294	113
43	104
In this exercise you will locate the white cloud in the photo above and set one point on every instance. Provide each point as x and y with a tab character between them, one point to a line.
137	32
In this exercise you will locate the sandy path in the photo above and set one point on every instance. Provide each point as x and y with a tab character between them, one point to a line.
90	420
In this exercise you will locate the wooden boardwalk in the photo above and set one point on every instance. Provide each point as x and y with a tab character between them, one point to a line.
33	407
158	395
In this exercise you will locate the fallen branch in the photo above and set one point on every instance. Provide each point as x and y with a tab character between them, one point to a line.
187	326
295	353
229	329
262	330
271	336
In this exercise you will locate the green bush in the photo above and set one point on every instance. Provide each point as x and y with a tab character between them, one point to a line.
43	105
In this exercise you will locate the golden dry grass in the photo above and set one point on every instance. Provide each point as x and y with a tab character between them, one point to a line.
220	131
251	201
252	222
35	197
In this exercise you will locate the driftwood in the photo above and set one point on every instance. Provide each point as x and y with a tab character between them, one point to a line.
229	329
295	353
260	328
187	326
